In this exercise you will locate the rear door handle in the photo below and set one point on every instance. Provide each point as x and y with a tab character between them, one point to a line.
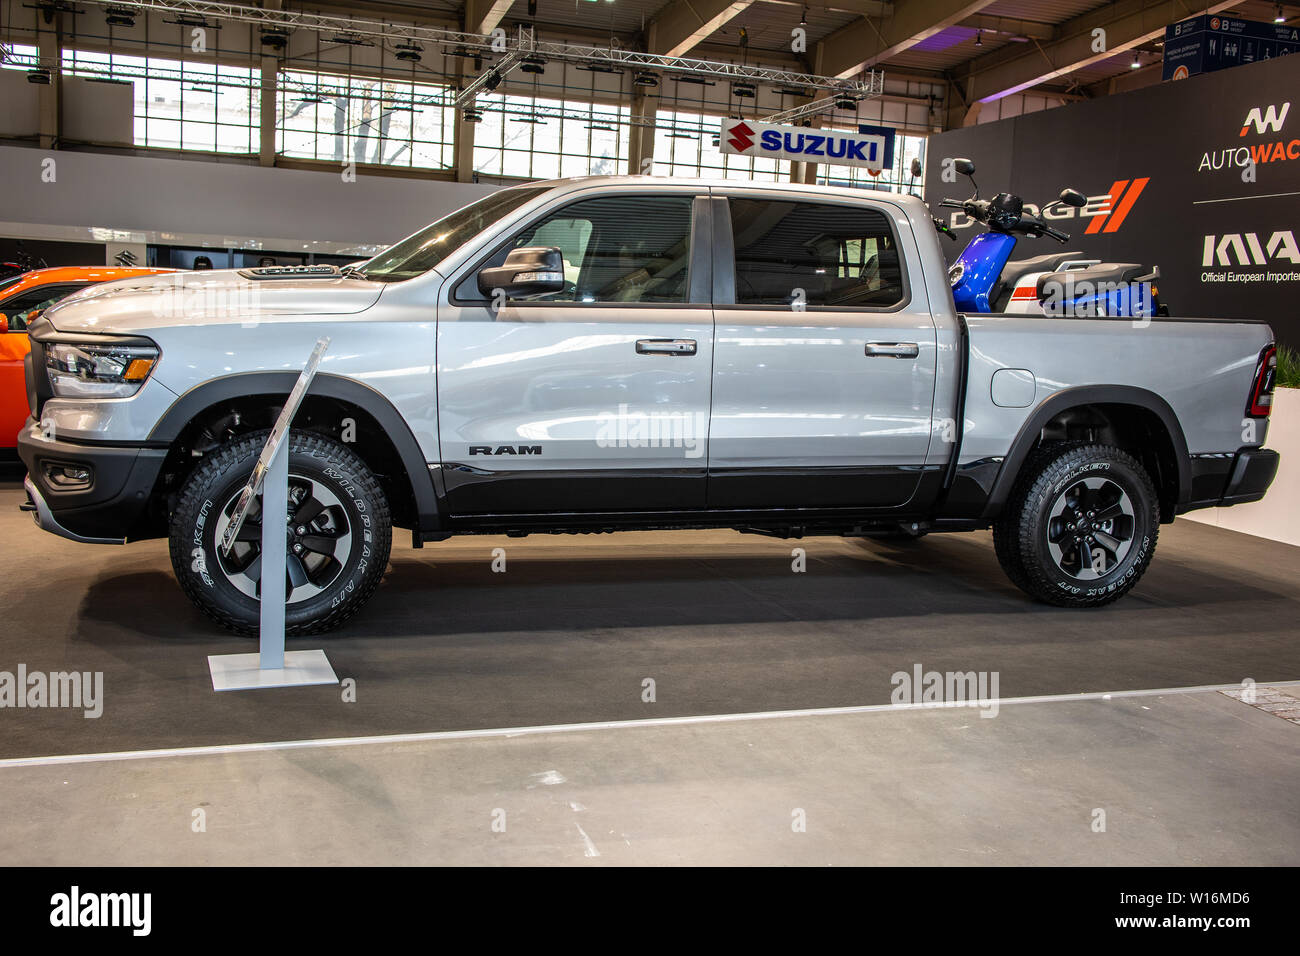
893	349
665	346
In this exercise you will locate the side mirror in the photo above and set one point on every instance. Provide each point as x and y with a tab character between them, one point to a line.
4	323
528	270
916	167
964	166
1072	197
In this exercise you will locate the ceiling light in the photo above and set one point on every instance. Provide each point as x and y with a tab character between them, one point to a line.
276	39
979	37
471	116
40	77
1136	64
532	64
845	103
493	81
409	52
744	91
696	80
646	78
1279	17
119	17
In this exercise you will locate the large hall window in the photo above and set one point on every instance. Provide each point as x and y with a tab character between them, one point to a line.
541	138
365	120
181	104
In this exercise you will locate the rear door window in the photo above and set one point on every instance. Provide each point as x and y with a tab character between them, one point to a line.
824	255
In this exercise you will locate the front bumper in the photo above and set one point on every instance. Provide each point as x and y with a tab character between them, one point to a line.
108	506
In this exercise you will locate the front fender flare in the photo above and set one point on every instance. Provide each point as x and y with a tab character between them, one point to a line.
186	408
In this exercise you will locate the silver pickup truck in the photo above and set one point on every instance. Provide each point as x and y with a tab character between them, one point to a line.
607	354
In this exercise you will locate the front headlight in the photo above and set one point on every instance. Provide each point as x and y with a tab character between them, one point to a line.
87	370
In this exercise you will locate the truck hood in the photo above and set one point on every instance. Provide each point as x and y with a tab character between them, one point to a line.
208	298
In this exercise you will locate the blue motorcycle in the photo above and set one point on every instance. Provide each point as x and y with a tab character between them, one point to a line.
1062	284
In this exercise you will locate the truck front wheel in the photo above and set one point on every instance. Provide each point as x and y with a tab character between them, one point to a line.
337	539
1080	527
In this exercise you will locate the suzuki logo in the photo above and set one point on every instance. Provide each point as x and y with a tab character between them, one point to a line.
1122	196
1247	249
1265	121
742	137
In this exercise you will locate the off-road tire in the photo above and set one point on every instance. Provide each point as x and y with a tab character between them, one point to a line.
220	475
1021	531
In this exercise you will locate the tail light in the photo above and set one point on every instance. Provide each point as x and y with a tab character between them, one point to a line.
1261	389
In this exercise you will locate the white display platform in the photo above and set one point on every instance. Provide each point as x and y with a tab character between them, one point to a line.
244	671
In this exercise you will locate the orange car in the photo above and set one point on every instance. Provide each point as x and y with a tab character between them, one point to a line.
21	298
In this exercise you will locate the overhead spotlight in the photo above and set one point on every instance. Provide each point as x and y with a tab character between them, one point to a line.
598	67
532	64
471	116
493	81
846	103
803	17
744	91
646	79
275	38
1136	64
744	38
695	80
119	17
39	77
979	37
409	52
1279	17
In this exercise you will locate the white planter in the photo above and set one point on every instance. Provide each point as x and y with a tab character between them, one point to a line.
1278	515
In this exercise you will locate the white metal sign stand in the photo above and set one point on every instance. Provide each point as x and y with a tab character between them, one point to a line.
272	666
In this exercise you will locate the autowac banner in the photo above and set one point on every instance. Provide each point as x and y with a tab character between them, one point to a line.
1200	177
804	145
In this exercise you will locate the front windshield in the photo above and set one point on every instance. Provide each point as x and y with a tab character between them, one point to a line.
417	254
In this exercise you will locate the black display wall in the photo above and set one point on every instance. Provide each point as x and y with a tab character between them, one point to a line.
1208	174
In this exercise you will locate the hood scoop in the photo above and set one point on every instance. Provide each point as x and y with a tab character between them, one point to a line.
291	272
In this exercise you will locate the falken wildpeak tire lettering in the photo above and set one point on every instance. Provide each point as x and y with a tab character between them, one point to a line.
357	504
1021	534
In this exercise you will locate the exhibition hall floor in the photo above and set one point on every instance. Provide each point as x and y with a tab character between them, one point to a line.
571	632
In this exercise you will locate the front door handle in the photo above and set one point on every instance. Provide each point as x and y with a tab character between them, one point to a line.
665	346
893	349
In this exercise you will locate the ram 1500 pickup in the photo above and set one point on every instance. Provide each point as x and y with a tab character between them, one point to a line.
606	354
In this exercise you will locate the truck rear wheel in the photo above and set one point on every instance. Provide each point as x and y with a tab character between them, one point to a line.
339	534
1080	527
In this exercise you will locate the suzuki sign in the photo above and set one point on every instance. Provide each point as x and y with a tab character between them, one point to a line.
804	145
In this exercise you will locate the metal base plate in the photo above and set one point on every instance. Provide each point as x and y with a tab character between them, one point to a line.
241	671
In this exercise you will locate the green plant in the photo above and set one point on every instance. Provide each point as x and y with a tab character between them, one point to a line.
1288	367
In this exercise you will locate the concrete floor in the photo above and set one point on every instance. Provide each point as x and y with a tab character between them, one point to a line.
723	626
1183	779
